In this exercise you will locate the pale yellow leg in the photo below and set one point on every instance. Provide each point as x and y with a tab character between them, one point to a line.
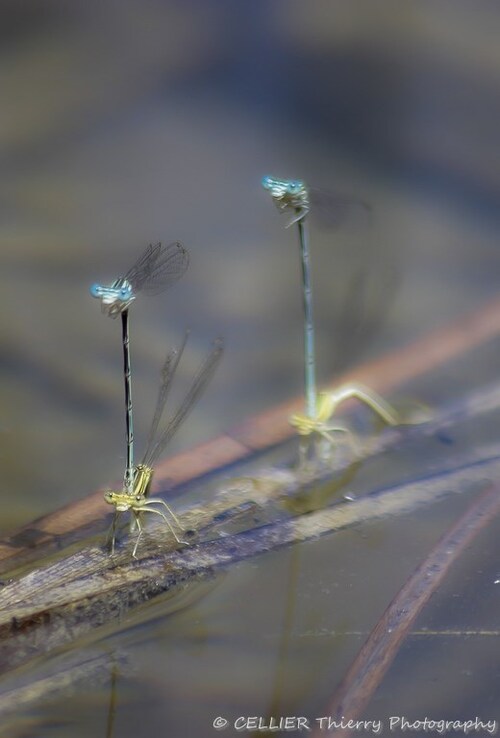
351	437
170	511
328	403
143	508
137	518
111	538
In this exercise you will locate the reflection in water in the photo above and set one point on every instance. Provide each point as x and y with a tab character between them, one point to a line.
277	704
112	701
320	496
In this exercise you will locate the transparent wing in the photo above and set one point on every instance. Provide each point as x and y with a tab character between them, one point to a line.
200	381
332	209
167	374
361	311
158	267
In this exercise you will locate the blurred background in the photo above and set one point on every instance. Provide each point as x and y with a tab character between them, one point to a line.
128	123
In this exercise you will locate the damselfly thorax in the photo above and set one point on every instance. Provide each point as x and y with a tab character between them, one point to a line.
124	501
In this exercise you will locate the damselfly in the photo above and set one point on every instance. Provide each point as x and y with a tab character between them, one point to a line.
138	501
293	196
156	269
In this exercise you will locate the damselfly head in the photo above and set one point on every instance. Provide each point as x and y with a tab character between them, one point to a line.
268	182
288	193
120	500
115	298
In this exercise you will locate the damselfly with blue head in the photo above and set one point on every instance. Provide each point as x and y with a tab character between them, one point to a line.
138	501
296	198
156	269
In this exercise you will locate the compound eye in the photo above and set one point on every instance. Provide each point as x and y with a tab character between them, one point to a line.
293	187
138	498
124	292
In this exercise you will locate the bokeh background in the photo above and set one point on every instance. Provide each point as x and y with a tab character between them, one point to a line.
128	123
125	123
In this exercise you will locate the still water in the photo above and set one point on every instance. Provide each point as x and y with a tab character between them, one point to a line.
157	122
274	637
